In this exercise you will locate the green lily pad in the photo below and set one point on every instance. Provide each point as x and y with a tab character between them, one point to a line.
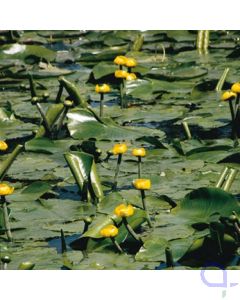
202	203
83	125
25	51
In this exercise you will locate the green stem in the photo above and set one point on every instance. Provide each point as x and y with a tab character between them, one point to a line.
6	219
122	93
130	230
61	119
200	37
6	164
116	245
59	94
129	70
206	40
187	130
232	175
101	104
145	207
222	177
237	228
117	171
234	125
222	80
169	257
32	87
231	110
63	243
139	166
45	121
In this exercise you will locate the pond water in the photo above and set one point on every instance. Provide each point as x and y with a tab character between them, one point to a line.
175	83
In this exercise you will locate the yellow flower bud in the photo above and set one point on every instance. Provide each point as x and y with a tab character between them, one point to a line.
142	184
68	103
139	152
5	189
228	95
3	146
131	76
109	231
124	210
120	60
236	88
121	74
104	88
119	149
130	62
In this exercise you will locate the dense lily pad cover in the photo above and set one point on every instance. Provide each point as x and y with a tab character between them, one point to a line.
64	176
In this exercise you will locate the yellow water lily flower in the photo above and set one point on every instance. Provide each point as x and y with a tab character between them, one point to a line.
5	189
142	184
124	210
119	149
104	88
131	76
139	152
121	74
109	231
236	88
3	146
120	60
228	95
131	62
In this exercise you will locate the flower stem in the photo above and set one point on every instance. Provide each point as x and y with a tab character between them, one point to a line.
101	104
122	93
131	231
139	166
145	208
117	171
6	164
231	110
116	245
6	218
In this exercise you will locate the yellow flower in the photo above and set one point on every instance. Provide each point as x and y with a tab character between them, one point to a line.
104	88
142	184
109	231
131	76
130	62
119	149
3	146
121	74
5	189
124	210
236	88
120	60
139	152
228	95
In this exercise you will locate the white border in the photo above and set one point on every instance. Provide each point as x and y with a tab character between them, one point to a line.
119	14
115	285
